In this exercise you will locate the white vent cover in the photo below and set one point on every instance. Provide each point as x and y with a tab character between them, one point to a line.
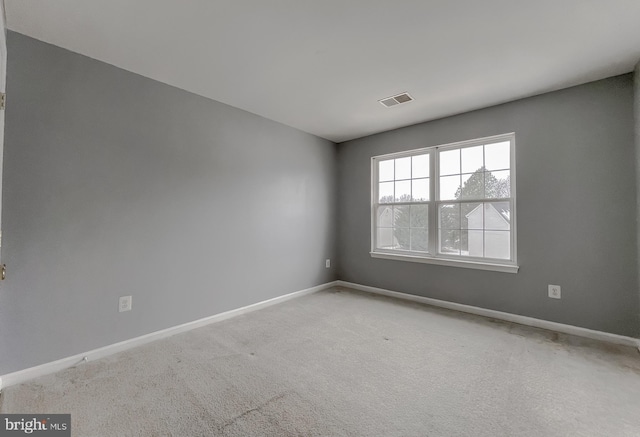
396	100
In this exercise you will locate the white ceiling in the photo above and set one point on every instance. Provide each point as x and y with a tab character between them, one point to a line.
321	65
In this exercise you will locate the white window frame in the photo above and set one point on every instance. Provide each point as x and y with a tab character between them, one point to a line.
432	256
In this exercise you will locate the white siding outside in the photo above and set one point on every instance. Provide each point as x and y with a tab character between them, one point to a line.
495	241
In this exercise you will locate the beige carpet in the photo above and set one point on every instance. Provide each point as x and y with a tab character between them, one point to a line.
339	363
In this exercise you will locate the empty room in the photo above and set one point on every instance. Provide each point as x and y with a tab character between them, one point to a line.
320	218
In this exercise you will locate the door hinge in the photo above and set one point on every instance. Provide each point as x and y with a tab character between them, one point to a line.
3	100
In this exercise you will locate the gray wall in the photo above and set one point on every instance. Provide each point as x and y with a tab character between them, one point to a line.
576	204
118	185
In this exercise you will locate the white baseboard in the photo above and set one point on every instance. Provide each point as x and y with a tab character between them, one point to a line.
45	369
522	320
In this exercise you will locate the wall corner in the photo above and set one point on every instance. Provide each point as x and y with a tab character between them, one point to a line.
636	118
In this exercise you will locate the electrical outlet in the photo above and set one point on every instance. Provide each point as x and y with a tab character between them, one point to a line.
124	304
554	291
327	263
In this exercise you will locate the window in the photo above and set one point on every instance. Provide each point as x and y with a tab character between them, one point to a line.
452	205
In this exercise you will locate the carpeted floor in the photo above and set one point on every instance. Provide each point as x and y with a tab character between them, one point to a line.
343	363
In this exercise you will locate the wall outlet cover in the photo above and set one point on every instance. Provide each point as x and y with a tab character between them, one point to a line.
124	304
555	292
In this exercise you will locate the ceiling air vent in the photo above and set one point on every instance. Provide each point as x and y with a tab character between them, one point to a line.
396	100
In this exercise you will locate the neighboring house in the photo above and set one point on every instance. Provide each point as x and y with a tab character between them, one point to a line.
489	227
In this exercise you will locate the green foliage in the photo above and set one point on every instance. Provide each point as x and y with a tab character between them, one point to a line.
480	181
409	224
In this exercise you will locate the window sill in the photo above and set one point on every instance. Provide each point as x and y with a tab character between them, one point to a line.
505	268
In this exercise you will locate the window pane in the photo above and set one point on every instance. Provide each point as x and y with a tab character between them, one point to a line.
385	216
449	216
402	238
474	243
450	242
384	238
419	240
420	189
497	244
403	191
385	192
403	168
420	166
450	162
472	159
419	216
497	216
385	170
472	186
471	216
497	184
449	186
497	156
401	216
